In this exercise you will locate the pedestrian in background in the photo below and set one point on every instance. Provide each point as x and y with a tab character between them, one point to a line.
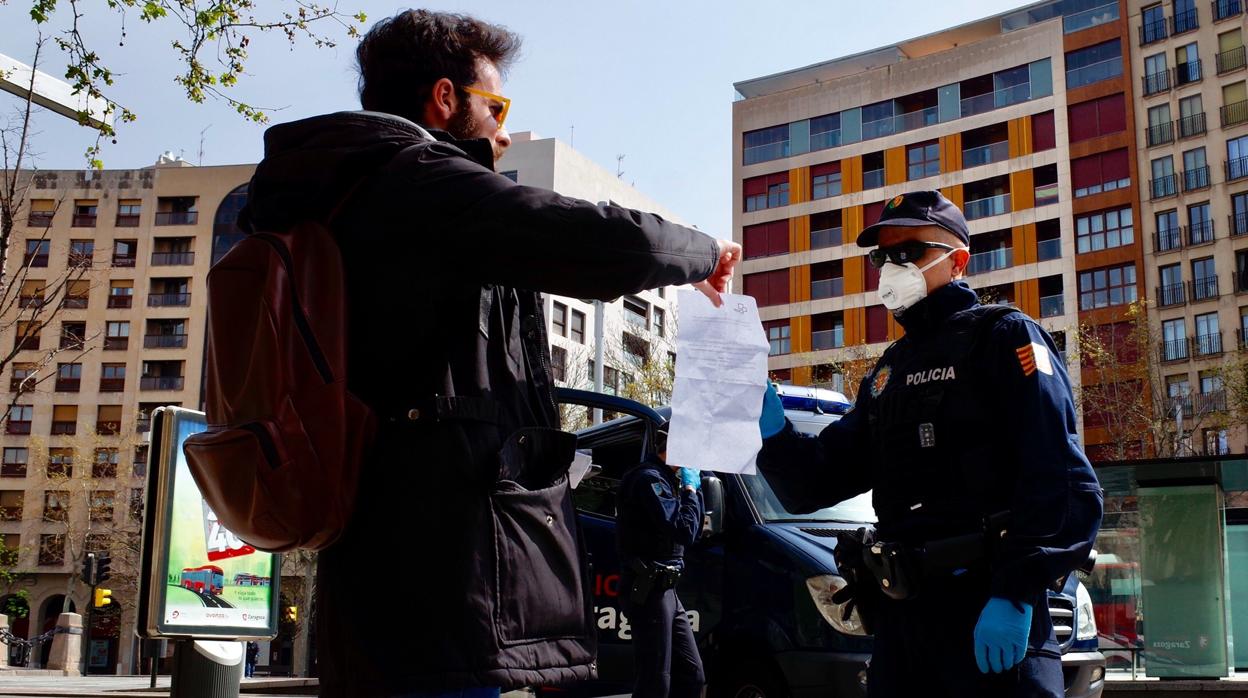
253	654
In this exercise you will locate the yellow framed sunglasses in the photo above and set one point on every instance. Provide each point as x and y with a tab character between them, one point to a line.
501	116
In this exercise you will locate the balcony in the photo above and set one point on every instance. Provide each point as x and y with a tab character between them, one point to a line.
1046	195
750	155
13	470
827	339
983	208
29	342
17	428
986	154
37	259
1193	125
1204	289
1233	114
84	220
1230	60
1239	223
1048	249
116	343
1152	32
1236	169
112	385
983	262
68	385
1174	349
1186	21
828	237
123	260
1156	83
1086	19
168	259
141	426
988	101
108	428
177	217
74	302
1197	178
1187	73
170	300
1052	306
1171	295
1078	77
1225	9
825	139
164	341
39	219
30	301
161	382
64	428
873	179
827	288
1207	344
1163	187
1207	403
127	220
1200	233
120	301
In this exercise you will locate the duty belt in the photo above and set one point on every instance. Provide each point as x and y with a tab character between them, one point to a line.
651	577
900	569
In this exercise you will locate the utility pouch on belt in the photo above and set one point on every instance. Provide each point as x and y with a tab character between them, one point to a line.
895	567
651	577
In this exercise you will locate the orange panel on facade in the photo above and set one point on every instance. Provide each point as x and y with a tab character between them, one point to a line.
1027	294
799	234
951	153
895	165
799	185
1022	190
954	194
855	326
799	283
1020	136
801	375
851	223
1024	241
855	274
851	174
799	333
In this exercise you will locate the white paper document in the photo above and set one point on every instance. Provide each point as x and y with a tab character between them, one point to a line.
721	374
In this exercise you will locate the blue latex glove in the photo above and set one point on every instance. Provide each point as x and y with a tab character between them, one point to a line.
1001	635
771	422
690	478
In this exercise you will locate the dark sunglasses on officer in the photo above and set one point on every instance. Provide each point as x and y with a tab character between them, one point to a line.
910	251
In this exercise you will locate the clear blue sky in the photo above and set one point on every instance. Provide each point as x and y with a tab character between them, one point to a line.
651	79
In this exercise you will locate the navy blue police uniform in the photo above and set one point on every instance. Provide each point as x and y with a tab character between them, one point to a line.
965	426
656	519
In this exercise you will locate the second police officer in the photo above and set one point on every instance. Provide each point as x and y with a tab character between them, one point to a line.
659	513
965	431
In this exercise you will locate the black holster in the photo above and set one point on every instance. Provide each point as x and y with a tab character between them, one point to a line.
650	577
861	592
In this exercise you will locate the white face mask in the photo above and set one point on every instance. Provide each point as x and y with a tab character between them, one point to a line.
903	285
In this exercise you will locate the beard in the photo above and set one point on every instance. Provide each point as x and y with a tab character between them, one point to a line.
464	125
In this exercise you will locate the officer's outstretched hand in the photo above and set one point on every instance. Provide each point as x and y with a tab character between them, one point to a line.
1001	635
690	478
771	422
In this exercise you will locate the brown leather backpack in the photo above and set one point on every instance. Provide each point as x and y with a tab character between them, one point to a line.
280	461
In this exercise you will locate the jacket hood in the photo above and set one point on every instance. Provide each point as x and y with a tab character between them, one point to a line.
310	165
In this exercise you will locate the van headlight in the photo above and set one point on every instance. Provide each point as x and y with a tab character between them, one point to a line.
1086	627
821	590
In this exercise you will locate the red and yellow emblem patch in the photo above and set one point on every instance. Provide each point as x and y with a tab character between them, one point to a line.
896	200
880	381
1034	357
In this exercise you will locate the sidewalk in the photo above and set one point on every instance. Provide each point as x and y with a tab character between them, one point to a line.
1121	685
114	686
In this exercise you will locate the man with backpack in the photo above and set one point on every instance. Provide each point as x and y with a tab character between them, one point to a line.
965	432
461	565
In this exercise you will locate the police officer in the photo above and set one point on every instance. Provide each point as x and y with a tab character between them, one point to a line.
659	512
965	430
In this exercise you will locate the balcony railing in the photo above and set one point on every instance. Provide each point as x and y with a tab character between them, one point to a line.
1234	113
1200	233
1089	18
1154	31
1046	194
1224	9
1197	178
68	385
13	513
64	428
1236	169
986	154
106	428
164	341
30	301
1230	60
1187	73
827	288
1052	306
121	260
116	343
127	220
177	217
824	140
828	237
74	302
112	385
84	220
141	426
982	262
1215	401
1172	295
81	260
17	428
39	259
873	179
1207	344
1204	289
1048	249
991	206
1096	72
1174	349
1193	125
1161	133
1164	186
988	101
13	470
120	301
761	153
827	339
1156	83
1186	21
1239	223
39	219
161	382
166	259
168	300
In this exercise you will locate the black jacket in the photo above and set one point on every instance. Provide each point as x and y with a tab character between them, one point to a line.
462	564
655	516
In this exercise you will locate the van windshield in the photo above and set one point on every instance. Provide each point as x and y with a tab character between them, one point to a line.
856	510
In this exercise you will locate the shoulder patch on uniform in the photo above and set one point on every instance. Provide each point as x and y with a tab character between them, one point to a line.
661	489
1034	357
880	381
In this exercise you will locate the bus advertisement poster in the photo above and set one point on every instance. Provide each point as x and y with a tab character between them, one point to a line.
199	579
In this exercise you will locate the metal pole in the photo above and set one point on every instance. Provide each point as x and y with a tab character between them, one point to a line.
153	650
600	316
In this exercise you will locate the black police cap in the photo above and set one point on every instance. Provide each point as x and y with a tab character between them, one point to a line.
916	210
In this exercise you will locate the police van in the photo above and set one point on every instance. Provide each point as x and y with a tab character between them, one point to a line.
758	587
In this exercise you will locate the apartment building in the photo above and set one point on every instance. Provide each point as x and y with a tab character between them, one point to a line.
1023	119
1193	145
639	330
117	260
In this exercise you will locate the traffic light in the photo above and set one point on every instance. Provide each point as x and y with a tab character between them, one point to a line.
102	564
291	614
88	570
102	597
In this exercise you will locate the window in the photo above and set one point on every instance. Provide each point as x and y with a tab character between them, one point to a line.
1170	292
108	419
1101	288
873	170
60	462
827	331
32	294
11	504
1168	233
55	505
20	417
1164	183
36	253
825	229
81	253
176	210
1104	229
768	191
765	144
1174	341
1043	132
825	180
1156	74
877	324
1234	101
1097	117
558	319
1195	169
106	460
51	549
1185	17
825	131
124	252
658	321
41	212
112	378
1093	64
766	239
1154	26
1191	116
1204	279
21	373
1100	173
769	287
137	501
1208	337
1239	214
777	337
116	334
1237	158
68	377
77	294
14	462
1200	225
923	160
1186	64
128	211
120	293
100	503
577	329
84	213
28	335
